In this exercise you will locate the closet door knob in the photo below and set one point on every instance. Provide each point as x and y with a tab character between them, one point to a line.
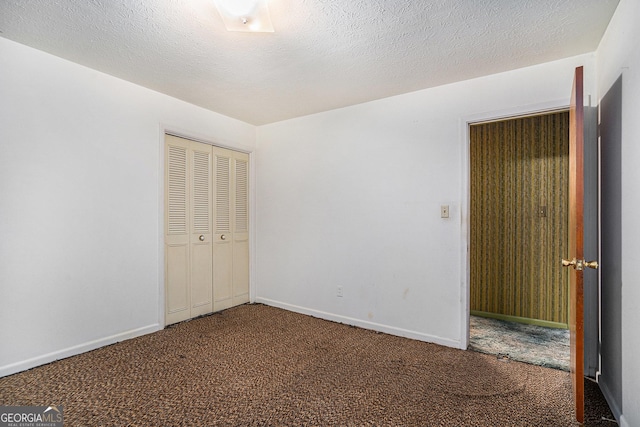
201	238
223	237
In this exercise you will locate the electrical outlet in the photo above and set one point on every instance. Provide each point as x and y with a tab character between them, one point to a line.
444	211
339	291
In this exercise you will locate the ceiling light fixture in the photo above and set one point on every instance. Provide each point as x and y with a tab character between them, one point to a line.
245	15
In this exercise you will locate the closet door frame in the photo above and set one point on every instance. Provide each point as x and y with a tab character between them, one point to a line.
250	151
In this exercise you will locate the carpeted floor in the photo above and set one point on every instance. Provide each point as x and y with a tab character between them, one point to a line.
255	365
525	343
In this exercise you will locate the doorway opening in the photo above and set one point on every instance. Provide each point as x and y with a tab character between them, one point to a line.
518	205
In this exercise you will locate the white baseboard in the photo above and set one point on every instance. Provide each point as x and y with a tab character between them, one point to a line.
77	349
613	405
92	345
361	323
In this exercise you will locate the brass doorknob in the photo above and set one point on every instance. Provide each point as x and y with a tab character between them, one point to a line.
591	264
579	264
223	237
201	238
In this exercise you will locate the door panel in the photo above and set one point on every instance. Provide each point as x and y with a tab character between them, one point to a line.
177	272
241	269
223	238
201	215
201	277
231	236
223	274
576	240
240	229
177	275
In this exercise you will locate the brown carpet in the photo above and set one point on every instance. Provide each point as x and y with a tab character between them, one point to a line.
260	366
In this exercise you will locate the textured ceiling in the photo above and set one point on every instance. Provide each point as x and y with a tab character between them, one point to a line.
324	54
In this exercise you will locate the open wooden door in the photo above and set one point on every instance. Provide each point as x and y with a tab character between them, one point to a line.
576	241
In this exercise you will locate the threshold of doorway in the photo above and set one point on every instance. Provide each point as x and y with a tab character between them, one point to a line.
525	320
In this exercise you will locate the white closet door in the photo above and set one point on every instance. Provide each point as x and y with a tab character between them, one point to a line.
201	216
241	229
206	229
176	239
223	237
188	225
231	234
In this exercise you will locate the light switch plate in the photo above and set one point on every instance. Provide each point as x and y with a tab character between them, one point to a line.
444	211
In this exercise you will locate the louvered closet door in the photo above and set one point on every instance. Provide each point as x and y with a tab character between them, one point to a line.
176	239
231	229
201	216
188	226
241	229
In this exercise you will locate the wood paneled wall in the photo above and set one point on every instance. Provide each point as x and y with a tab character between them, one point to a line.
519	203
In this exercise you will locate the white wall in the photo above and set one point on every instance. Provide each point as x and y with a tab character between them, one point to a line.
619	55
80	210
351	198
